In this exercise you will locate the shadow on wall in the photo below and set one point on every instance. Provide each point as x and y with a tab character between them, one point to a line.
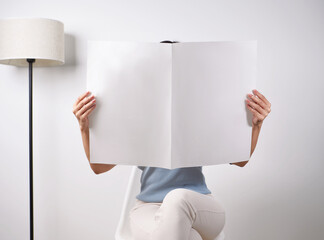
70	57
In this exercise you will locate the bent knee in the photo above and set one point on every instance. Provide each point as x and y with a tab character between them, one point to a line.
178	195
182	196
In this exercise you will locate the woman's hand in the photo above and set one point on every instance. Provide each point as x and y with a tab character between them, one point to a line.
259	106
82	108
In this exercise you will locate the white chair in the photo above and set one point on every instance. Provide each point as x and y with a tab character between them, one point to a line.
123	231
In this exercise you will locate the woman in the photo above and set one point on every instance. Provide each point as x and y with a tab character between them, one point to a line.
173	204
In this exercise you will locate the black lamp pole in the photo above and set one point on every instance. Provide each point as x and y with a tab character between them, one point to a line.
31	200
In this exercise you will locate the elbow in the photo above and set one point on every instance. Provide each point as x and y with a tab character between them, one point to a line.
240	164
95	170
101	168
243	164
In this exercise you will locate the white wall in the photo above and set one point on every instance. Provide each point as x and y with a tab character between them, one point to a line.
277	195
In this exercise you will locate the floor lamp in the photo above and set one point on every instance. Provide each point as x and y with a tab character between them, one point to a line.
31	42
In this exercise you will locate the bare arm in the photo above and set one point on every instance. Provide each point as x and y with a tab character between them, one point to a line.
96	167
82	108
255	134
260	107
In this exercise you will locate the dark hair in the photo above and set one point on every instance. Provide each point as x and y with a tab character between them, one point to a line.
168	41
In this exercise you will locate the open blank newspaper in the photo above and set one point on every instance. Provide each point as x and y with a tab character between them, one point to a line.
171	105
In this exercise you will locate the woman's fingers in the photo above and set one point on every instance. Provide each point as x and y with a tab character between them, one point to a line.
258	115
81	97
259	106
261	101
84	102
260	96
90	109
257	100
85	108
256	106
77	102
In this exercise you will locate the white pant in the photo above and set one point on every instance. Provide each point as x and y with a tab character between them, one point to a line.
183	215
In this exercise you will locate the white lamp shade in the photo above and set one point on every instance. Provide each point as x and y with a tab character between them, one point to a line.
36	38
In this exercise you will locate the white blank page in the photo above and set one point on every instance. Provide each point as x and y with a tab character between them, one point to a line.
131	123
210	122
